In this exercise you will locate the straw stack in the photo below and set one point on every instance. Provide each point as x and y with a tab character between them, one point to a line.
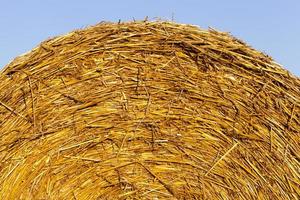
148	110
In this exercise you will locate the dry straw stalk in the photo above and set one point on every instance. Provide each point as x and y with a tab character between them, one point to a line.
148	110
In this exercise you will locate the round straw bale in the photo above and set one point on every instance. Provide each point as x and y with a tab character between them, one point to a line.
148	110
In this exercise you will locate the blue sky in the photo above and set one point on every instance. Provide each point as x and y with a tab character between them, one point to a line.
271	26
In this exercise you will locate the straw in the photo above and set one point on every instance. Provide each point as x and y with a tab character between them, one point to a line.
148	110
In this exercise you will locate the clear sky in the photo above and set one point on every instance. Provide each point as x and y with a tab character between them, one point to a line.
271	26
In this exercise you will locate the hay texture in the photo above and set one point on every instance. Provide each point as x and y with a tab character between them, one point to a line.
148	110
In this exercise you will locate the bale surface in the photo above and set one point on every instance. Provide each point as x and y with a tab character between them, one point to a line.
148	110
